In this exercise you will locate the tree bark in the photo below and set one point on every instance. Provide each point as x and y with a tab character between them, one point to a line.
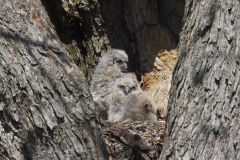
46	111
204	105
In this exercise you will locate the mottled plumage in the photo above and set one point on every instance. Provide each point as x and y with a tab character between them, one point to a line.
128	102
140	108
111	66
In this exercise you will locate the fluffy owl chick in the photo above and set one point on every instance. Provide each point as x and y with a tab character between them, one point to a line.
140	107
123	88
111	65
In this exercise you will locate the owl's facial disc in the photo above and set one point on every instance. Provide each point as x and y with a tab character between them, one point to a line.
124	89
129	89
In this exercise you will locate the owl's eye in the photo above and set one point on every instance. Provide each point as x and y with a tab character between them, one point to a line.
133	88
118	61
121	87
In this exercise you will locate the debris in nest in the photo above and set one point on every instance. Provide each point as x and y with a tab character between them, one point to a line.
134	140
158	82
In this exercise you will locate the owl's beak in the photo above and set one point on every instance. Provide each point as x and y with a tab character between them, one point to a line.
126	91
124	67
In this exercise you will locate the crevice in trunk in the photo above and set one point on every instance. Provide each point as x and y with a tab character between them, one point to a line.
149	32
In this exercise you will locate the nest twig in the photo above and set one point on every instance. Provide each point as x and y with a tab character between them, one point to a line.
134	140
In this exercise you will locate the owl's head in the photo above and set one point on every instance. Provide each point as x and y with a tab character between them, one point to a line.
149	109
142	106
116	58
128	84
120	59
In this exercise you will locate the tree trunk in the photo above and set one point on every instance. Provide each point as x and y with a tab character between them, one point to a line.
46	111
204	105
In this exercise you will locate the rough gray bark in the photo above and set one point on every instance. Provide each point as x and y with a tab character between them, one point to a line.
80	27
204	106
46	111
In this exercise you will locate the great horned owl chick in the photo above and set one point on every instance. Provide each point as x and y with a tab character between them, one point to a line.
111	65
140	108
136	107
129	103
123	88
